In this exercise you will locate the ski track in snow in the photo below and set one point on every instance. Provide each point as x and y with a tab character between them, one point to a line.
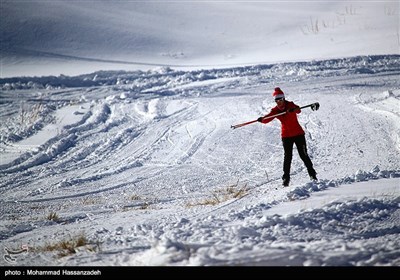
147	143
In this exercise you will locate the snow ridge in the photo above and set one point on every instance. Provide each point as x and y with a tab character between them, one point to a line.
140	81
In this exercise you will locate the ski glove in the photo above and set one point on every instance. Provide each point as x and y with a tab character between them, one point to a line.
260	119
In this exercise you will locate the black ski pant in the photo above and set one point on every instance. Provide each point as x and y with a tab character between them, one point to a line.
300	142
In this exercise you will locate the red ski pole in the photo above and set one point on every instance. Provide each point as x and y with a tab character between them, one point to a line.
314	107
242	124
246	123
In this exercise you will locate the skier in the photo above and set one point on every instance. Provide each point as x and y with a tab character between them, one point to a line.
291	133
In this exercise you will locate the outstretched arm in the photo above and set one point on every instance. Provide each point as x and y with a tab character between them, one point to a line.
269	117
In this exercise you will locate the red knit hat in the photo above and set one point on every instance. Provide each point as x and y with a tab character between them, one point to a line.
278	93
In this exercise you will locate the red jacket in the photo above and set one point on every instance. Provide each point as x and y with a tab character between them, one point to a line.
290	124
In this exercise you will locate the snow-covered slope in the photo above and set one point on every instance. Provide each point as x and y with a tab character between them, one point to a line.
140	166
77	37
144	166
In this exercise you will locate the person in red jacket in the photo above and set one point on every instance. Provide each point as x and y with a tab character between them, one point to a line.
291	133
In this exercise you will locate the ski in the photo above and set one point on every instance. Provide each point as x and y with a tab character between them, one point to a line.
314	107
